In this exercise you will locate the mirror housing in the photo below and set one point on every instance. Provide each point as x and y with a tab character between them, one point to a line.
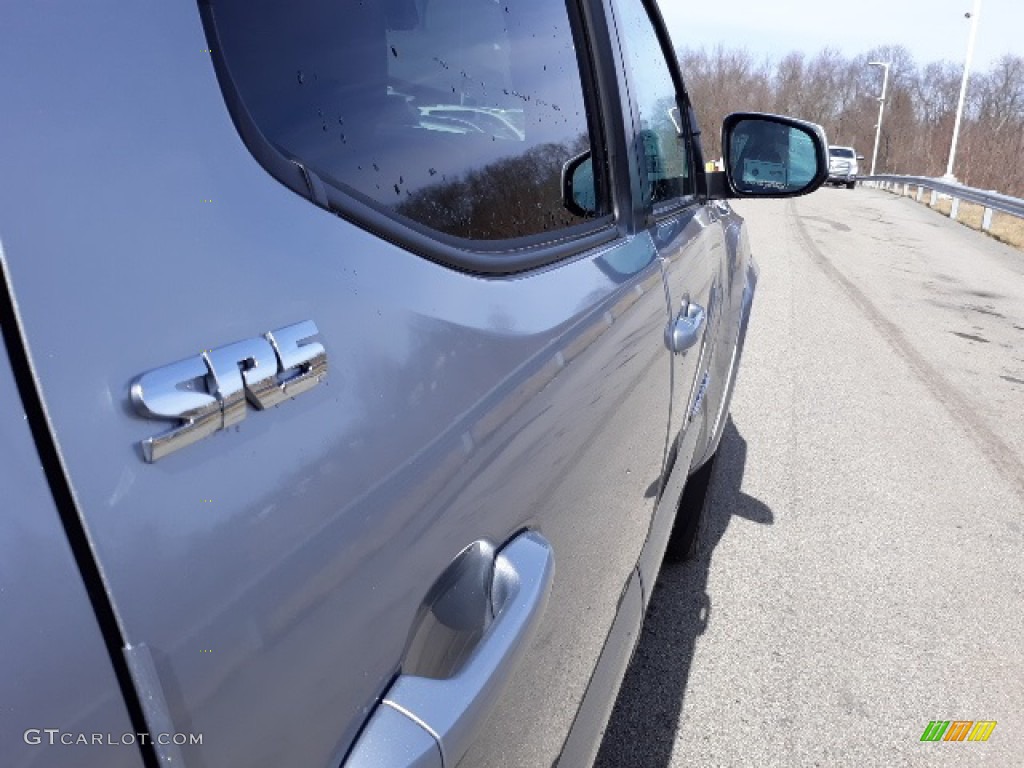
769	156
579	195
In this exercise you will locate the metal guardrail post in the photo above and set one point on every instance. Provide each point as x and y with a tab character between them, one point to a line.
920	191
986	220
954	208
935	195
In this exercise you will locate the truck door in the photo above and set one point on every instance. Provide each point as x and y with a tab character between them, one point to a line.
333	375
685	232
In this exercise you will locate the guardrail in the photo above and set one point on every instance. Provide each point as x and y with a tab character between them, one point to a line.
991	201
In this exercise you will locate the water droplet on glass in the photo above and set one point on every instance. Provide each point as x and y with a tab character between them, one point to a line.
432	171
397	190
300	77
394	51
376	167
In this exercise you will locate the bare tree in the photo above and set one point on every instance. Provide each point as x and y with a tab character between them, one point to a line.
840	94
721	81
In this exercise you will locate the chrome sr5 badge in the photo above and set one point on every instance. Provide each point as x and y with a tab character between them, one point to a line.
208	392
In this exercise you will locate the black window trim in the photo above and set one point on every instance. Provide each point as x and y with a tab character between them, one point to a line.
483	257
602	86
666	209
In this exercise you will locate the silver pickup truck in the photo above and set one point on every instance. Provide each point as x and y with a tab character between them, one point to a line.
356	357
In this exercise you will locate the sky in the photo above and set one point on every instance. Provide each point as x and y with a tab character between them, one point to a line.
931	30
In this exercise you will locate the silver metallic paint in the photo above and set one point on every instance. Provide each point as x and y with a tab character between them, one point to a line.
296	547
54	669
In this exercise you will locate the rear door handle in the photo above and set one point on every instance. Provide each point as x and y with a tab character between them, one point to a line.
683	332
427	723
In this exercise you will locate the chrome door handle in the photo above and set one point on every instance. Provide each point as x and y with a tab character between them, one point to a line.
683	332
452	710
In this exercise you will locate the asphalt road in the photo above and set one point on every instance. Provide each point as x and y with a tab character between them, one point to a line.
861	566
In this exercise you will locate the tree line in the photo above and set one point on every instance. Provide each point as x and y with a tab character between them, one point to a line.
841	94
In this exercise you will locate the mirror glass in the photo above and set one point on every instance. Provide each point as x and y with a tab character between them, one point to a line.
581	192
770	158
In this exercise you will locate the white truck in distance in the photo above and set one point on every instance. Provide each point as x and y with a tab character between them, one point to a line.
842	166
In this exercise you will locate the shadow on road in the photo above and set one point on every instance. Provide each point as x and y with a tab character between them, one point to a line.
643	725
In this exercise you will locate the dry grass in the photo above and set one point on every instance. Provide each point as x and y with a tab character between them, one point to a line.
1005	228
1009	229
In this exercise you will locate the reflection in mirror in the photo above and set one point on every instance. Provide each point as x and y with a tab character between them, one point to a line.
769	158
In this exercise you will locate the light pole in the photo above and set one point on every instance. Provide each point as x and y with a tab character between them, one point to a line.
881	107
963	90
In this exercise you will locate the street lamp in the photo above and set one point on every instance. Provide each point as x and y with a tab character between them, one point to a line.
963	90
881	107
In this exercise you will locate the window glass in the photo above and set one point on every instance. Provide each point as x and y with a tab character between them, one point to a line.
662	143
458	114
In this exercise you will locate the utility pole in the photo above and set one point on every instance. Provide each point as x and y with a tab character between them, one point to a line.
974	15
881	107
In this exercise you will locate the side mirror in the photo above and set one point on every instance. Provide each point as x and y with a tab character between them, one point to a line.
769	156
579	196
860	157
